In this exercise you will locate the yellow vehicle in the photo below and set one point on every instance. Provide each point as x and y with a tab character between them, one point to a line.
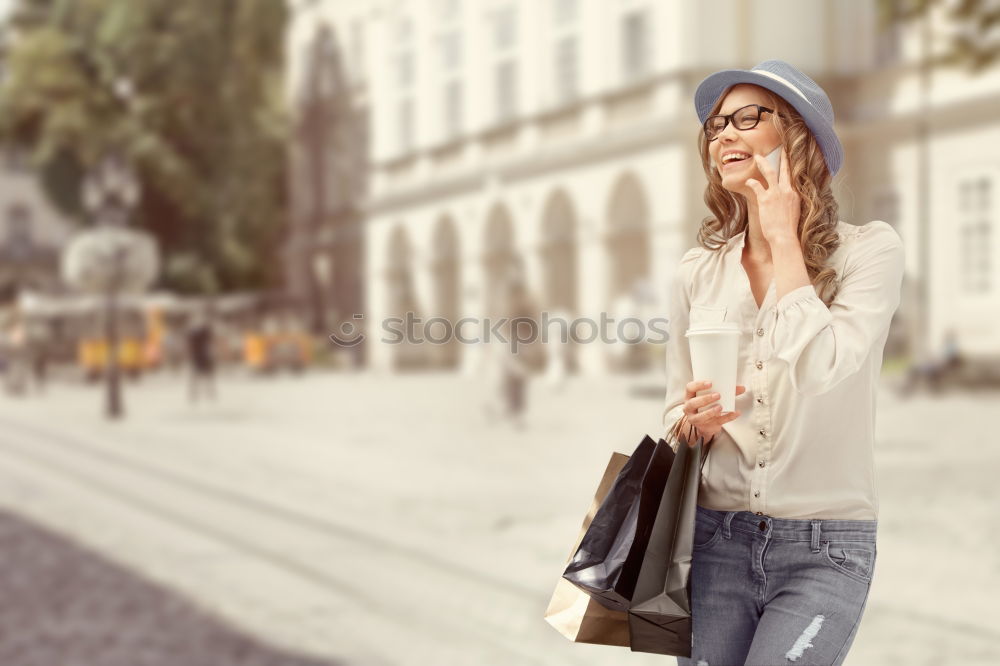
266	352
93	357
139	344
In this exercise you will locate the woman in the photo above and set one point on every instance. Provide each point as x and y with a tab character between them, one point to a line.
784	545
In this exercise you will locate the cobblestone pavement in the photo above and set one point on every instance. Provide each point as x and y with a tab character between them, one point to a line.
63	604
384	520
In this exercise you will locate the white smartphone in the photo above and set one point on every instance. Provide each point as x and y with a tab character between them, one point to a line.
774	157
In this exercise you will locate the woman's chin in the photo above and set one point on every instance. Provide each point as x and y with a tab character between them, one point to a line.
733	184
737	182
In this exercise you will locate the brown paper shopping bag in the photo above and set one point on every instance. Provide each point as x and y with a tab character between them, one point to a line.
574	613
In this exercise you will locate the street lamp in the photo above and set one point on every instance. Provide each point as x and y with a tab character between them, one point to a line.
110	259
322	270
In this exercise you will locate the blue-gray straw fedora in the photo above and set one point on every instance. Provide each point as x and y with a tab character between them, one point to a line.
792	86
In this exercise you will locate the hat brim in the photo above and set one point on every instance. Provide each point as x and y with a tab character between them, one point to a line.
715	85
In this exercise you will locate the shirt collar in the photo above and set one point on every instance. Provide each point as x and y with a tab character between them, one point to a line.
735	244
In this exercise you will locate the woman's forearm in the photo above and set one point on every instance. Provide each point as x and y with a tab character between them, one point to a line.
789	267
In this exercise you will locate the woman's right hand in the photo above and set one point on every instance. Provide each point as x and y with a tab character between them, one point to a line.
709	421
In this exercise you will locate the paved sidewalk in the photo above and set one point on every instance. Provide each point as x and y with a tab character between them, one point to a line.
455	528
65	605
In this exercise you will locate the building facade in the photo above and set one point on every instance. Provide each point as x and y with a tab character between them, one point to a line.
555	142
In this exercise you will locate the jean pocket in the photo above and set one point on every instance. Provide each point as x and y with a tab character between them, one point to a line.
706	533
855	559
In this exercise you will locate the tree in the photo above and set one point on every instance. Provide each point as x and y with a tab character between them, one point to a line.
973	38
190	91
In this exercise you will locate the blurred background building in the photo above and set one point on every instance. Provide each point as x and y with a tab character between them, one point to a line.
34	232
556	141
327	182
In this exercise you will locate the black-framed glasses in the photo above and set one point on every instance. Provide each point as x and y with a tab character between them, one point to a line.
743	118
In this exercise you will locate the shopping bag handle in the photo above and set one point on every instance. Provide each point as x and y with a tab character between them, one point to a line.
691	433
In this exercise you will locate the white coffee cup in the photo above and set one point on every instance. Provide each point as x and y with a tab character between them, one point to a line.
714	357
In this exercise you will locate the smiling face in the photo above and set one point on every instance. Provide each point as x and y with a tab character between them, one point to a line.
761	140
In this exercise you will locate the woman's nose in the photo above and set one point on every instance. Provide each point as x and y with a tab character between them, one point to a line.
728	132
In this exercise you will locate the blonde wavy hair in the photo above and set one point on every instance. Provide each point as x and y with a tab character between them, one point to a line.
817	228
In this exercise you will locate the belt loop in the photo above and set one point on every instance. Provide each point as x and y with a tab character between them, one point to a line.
815	535
726	532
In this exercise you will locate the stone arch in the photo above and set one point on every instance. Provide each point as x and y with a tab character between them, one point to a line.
501	262
627	237
628	250
401	296
446	277
558	249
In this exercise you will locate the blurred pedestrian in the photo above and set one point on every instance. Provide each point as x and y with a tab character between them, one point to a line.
173	352
201	355
38	346
17	354
515	355
933	368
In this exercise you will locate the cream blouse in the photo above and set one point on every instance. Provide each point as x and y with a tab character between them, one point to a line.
803	445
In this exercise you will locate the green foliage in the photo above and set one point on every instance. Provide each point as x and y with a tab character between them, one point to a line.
186	89
970	32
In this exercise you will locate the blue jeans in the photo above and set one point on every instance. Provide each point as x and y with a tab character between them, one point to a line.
769	591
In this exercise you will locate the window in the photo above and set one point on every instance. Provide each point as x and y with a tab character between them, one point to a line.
453	107
564	12
404	30
403	63
566	69
503	29
975	234
565	50
447	10
450	50
449	62
506	89
405	123
404	69
635	44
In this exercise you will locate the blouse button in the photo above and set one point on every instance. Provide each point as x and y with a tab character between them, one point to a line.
762	433
760	513
760	400
760	332
761	463
757	494
759	365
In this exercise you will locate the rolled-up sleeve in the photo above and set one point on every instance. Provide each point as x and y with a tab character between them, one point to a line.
678	355
823	346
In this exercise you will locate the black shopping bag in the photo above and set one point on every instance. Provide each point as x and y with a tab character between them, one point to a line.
659	617
606	564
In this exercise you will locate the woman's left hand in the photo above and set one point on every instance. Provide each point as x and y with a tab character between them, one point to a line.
778	205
